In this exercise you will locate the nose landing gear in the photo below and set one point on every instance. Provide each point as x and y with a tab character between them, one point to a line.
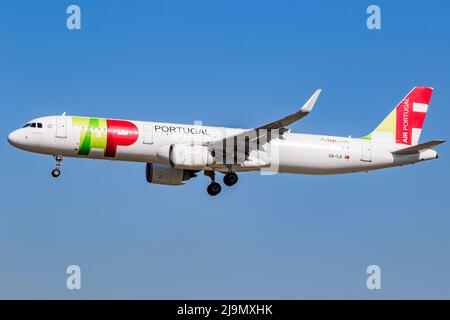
58	163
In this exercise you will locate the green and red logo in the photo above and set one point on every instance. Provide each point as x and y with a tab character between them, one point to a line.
105	134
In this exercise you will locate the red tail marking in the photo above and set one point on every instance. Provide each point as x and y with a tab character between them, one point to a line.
407	118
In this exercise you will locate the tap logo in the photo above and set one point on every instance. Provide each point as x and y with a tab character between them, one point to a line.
105	134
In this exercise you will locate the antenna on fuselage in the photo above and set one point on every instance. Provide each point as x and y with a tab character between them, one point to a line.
64	113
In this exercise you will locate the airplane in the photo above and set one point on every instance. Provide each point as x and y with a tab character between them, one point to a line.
175	153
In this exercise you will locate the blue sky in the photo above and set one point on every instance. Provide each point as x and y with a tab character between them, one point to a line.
238	64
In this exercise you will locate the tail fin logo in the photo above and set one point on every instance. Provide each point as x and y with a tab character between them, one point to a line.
410	114
404	124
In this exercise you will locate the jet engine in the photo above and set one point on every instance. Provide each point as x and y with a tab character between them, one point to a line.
163	174
185	156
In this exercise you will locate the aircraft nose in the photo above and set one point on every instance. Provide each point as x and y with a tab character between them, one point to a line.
14	138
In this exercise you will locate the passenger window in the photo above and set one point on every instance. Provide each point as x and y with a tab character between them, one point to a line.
33	125
39	125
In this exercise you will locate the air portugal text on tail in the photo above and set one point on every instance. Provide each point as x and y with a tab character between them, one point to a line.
175	153
404	124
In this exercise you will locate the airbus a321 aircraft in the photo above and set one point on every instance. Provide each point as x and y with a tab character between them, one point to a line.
175	153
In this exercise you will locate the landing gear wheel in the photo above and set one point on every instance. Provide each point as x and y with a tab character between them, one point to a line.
56	173
214	189
58	163
230	179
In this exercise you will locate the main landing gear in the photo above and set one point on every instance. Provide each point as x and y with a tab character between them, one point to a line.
230	179
214	188
58	163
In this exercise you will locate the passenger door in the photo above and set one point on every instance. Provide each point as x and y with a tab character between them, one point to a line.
366	151
61	127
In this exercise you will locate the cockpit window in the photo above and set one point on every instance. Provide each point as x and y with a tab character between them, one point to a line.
34	125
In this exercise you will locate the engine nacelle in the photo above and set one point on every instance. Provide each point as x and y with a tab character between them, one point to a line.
185	156
190	156
163	174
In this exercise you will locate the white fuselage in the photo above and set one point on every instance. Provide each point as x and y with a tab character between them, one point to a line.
291	153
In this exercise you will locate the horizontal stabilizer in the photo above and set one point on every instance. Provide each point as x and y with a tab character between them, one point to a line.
418	148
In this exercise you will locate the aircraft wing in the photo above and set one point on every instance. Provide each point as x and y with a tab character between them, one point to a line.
265	130
303	112
281	123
